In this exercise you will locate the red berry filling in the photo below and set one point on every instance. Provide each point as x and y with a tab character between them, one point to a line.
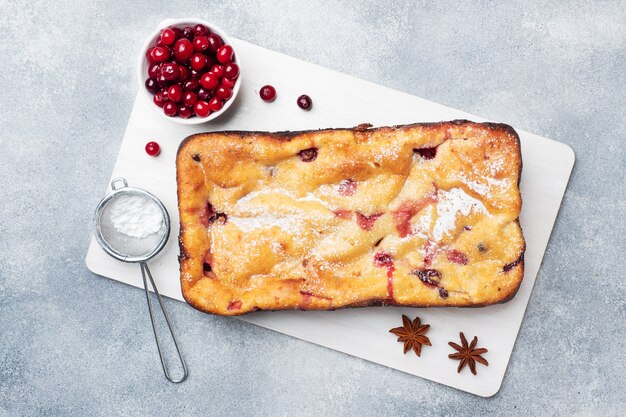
457	257
308	155
426	153
234	305
183	75
347	188
367	223
382	259
513	264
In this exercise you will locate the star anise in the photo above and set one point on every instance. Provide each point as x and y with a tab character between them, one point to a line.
468	354
412	334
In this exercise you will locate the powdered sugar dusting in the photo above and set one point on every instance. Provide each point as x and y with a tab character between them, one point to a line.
451	204
290	224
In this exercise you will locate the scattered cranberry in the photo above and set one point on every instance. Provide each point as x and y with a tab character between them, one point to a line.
231	70
201	109
153	148
158	99
198	61
216	104
160	54
224	93
305	102
190	98
268	93
168	36
152	85
170	109
185	112
200	30
154	70
215	42
175	93
225	54
209	81
218	70
183	50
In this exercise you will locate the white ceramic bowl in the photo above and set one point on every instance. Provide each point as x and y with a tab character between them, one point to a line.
142	69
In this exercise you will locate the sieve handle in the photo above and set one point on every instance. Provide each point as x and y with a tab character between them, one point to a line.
145	272
118	180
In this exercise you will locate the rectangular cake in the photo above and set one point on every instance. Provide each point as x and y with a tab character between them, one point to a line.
415	215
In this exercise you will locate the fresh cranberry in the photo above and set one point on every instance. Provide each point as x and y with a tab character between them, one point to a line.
217	70
268	93
224	93
308	155
152	85
215	42
191	85
216	104
170	71
153	148
457	257
200	43
347	188
227	82
183	50
203	94
170	109
201	108
178	33
164	94
200	30
149	55
159	42
225	54
209	81
185	112
190	98
426	153
231	70
162	81
184	73
154	70
158	99
168	36
196	74
160	54
175	93
305	102
198	61
188	32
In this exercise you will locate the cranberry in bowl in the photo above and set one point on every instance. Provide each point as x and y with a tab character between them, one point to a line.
189	71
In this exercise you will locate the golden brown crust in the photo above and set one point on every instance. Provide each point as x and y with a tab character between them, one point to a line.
364	219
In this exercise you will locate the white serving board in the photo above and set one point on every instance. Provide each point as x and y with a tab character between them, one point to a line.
344	101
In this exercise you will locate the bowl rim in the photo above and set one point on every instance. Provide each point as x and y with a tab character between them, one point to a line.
142	63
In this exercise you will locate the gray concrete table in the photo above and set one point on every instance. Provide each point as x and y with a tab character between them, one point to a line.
75	344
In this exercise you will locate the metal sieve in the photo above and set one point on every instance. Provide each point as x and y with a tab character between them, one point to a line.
137	250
